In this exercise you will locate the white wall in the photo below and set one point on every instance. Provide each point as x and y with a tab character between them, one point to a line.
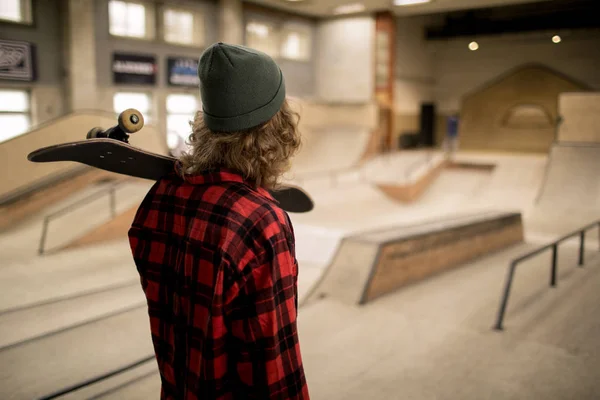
414	81
458	71
344	68
299	75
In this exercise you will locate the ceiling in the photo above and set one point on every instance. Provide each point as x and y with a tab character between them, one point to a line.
325	8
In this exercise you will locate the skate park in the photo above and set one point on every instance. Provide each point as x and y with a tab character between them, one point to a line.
405	259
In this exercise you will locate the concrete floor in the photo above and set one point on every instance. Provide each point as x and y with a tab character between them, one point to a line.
71	316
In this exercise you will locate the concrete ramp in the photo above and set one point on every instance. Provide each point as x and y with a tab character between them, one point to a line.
570	195
572	180
334	136
373	264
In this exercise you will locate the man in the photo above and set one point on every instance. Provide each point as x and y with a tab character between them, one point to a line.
214	251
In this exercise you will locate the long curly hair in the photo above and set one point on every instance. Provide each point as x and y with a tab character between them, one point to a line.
261	154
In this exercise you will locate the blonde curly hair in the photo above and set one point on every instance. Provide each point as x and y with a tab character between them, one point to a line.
261	154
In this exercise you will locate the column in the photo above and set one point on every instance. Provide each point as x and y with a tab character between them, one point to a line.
82	87
231	22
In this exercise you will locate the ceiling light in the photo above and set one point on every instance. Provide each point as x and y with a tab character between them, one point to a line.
556	39
409	2
473	46
349	8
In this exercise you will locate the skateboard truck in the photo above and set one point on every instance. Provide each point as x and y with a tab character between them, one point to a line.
130	121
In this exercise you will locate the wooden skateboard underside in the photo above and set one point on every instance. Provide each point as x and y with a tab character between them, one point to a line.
119	157
110	155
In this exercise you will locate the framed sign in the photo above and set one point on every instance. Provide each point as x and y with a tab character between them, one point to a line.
182	71
17	60
134	69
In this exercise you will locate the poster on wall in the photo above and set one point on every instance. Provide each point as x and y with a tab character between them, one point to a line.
17	60
182	71
134	69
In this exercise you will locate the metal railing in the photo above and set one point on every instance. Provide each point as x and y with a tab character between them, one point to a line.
553	269
110	190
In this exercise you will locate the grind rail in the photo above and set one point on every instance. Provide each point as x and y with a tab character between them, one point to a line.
110	191
553	268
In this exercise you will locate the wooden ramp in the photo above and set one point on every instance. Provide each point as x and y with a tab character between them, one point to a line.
410	192
370	265
27	205
114	229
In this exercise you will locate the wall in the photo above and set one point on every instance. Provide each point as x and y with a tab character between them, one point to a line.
414	80
299	75
517	112
345	60
580	113
107	44
46	34
444	72
458	71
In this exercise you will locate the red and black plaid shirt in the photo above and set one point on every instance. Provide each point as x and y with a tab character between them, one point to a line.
217	265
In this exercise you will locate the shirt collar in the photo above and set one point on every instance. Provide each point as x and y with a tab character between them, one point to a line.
220	175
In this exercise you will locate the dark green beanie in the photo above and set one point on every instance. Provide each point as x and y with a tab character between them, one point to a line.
240	87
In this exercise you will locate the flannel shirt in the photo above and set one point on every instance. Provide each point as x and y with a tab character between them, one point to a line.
217	265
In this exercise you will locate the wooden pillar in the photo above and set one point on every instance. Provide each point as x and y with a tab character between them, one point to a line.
385	64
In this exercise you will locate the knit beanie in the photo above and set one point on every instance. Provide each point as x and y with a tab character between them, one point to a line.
241	88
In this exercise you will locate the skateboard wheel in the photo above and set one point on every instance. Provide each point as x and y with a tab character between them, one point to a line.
94	133
131	120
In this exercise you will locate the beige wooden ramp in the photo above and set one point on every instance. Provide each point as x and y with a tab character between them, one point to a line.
64	186
114	229
580	117
373	264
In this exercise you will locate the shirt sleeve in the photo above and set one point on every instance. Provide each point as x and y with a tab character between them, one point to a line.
264	326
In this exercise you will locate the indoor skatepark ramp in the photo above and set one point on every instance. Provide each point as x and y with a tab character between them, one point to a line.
32	187
25	176
334	136
54	191
370	265
570	195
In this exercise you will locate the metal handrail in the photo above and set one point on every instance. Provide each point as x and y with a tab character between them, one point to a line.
75	205
554	246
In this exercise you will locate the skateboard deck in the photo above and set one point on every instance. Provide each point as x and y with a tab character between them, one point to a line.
109	150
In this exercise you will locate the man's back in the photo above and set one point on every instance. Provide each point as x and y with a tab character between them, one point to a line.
217	265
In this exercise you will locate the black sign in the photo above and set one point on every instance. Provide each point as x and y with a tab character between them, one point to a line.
182	71
134	69
16	60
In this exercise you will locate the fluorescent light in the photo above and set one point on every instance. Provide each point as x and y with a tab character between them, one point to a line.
349	8
473	46
556	39
409	2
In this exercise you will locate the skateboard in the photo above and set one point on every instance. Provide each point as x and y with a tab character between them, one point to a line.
110	150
